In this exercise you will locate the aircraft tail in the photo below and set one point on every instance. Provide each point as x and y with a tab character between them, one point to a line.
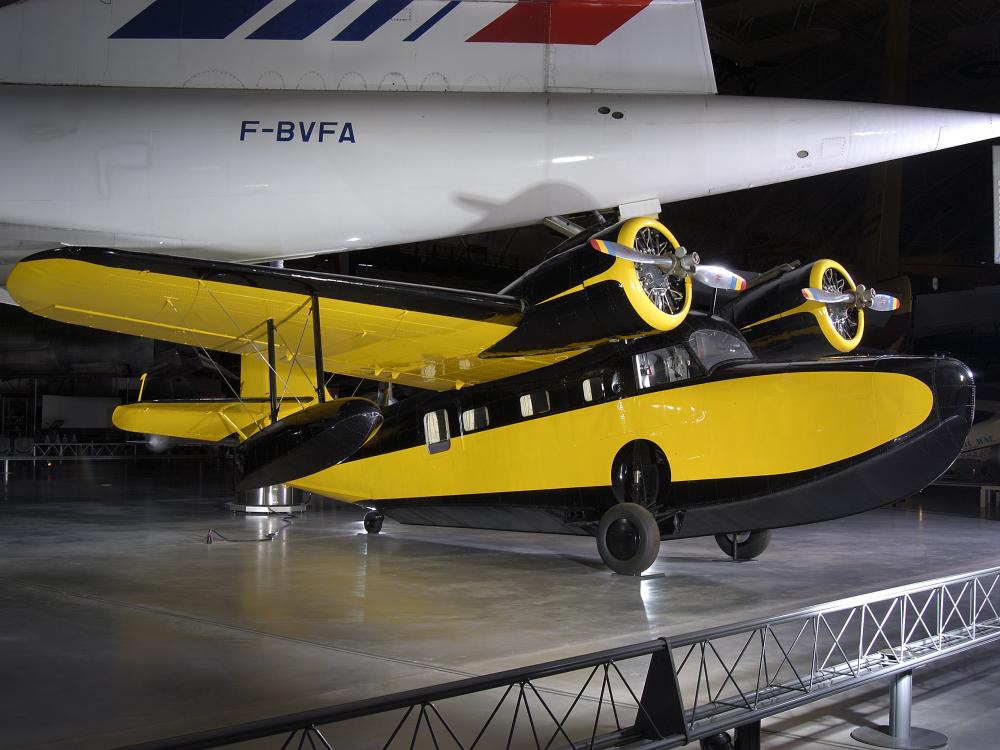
627	46
217	419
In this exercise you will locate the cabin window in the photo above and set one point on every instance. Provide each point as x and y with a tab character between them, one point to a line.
715	347
534	403
437	431
616	383
593	389
662	366
475	419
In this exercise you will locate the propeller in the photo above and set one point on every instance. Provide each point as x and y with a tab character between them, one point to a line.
860	298
679	263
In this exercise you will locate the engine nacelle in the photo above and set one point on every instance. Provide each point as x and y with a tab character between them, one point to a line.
778	322
306	442
581	297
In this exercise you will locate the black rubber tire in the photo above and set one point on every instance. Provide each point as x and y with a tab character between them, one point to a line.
628	539
750	548
373	521
720	741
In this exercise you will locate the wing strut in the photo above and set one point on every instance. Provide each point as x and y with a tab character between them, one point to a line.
318	350
272	372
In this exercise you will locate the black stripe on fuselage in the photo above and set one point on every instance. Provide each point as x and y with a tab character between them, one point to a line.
949	381
613	363
699	508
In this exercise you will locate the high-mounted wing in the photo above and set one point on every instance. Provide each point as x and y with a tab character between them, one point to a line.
413	335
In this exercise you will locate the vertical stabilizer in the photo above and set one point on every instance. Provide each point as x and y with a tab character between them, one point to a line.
654	46
292	381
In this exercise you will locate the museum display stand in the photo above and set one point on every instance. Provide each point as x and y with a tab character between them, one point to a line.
278	498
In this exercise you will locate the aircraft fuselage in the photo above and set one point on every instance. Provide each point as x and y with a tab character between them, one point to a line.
256	175
712	448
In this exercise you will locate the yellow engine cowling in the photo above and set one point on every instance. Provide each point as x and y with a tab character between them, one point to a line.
779	322
580	297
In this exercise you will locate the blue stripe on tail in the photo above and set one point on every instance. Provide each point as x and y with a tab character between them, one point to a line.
430	22
300	19
190	19
374	18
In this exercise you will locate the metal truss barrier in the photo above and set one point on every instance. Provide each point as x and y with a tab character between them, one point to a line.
85	450
663	693
92	451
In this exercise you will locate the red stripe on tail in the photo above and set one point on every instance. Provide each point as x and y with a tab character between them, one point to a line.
559	22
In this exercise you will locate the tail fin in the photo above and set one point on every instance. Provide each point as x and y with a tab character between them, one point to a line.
655	46
292	381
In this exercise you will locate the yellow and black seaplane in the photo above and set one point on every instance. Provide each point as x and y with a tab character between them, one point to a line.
587	397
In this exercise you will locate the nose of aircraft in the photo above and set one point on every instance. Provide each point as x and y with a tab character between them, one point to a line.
954	390
954	398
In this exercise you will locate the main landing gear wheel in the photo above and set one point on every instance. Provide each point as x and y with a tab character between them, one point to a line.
744	545
628	538
373	521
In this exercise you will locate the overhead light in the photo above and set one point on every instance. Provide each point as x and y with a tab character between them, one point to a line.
353	239
570	159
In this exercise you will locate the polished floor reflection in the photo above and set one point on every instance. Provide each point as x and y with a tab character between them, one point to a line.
119	623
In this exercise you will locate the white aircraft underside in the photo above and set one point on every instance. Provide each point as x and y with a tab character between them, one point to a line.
258	175
266	173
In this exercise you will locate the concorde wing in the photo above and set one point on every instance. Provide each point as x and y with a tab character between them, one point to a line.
388	331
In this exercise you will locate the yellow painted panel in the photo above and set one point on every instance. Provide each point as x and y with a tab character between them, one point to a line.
755	426
382	343
201	420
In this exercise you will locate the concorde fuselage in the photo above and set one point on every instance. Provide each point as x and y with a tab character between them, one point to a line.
255	175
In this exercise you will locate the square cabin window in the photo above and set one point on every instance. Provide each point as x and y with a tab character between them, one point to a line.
534	403
593	389
475	419
437	431
662	366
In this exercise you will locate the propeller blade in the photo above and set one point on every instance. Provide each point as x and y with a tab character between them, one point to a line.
618	250
830	298
718	277
884	303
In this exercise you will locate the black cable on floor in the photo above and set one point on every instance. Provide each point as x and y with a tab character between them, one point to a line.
287	520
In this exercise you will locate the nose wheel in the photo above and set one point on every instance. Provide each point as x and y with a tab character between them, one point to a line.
373	521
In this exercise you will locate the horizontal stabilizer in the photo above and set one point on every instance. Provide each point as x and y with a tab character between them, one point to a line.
209	420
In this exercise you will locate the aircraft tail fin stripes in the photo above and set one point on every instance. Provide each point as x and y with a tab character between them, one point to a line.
628	46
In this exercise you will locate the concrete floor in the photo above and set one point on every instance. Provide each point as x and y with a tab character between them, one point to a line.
118	623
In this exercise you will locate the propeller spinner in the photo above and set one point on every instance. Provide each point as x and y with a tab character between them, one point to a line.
679	263
860	298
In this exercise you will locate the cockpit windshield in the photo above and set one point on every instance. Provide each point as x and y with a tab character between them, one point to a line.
713	347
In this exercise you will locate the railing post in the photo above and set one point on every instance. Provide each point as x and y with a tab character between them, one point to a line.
747	737
900	733
901	705
661	708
